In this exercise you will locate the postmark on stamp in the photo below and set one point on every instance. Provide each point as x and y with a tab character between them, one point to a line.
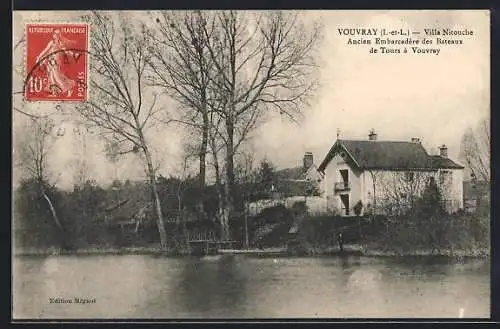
56	62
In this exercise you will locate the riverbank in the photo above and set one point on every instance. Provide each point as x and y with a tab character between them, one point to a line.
363	250
349	250
152	250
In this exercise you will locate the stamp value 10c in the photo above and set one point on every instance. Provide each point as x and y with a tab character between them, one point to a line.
56	62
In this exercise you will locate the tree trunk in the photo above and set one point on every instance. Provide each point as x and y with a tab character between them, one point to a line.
220	196
247	244
218	184
179	210
229	184
154	190
52	210
228	210
63	237
203	164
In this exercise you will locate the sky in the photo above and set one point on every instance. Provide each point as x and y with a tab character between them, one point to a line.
432	97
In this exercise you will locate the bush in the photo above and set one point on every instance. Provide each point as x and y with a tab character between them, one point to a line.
358	207
299	209
34	225
428	226
443	232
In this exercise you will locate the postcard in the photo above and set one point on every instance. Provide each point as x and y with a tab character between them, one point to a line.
237	164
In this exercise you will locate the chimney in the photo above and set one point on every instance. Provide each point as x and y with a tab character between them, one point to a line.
308	160
443	151
373	135
415	140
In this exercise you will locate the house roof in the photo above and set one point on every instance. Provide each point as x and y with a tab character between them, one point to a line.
388	155
291	181
127	208
292	187
445	163
296	173
294	181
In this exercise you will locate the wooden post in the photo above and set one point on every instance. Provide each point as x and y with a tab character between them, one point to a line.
246	227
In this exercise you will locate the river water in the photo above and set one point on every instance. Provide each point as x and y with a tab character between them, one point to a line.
138	286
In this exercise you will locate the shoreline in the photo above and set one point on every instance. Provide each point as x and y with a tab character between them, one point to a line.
359	250
349	250
97	251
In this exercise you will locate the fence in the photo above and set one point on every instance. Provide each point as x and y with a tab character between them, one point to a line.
201	236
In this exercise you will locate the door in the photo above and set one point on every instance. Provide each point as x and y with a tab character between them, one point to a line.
345	204
344	173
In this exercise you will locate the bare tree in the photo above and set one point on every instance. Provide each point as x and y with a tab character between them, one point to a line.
216	145
32	154
181	65
33	145
475	150
121	106
261	62
398	191
247	177
185	177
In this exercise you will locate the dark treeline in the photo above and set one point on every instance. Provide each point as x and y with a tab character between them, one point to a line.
92	216
426	226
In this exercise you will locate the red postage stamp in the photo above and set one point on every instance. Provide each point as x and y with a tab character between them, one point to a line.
56	62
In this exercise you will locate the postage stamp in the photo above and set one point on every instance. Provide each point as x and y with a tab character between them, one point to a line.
56	62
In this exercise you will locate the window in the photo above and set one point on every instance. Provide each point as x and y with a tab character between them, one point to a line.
410	177
344	174
444	177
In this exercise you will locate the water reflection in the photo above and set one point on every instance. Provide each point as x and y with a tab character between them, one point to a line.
344	262
210	288
243	287
26	293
